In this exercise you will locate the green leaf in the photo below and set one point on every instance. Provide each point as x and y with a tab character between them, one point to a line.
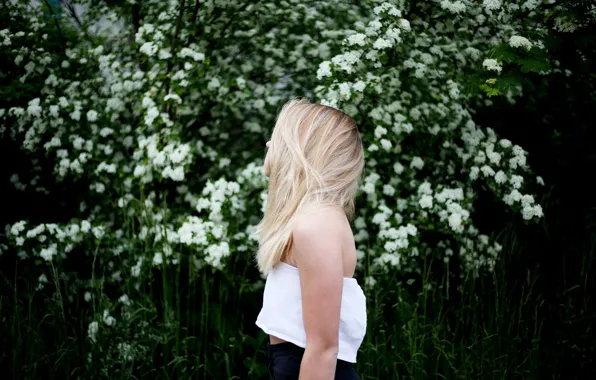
530	64
504	53
490	91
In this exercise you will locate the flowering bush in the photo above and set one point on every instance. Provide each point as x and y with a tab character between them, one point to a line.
161	109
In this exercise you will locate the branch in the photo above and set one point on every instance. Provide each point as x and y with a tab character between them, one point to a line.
177	31
136	19
56	22
173	49
136	24
78	21
191	37
231	19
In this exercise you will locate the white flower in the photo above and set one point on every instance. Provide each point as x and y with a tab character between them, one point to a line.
357	39
157	259
539	180
531	4
388	190
426	201
92	115
259	104
92	331
505	143
487	171
386	144
368	188
404	24
380	131
369	282
85	226
385	6
98	187
124	299
34	108
108	319
500	177
417	163
527	200
176	174
344	90
538	211
324	70
398	168
127	352
135	271
139	170
394	35
175	97
186	52
514	196
492	4
215	253
516	181
48	253
213	84
425	188
389	258
149	48
359	86
455	221
373	27
88	297
152	114
17	228
104	132
381	43
98	232
180	153
493	157
453	7
164	54
518	41
492	65
241	82
528	212
147	102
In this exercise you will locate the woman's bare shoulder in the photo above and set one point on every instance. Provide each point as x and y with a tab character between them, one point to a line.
317	240
320	219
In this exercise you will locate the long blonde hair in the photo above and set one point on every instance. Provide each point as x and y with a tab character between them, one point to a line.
315	157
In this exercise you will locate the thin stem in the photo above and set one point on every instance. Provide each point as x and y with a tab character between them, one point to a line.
173	50
73	13
191	37
55	22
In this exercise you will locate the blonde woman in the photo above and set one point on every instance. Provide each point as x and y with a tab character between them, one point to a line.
313	309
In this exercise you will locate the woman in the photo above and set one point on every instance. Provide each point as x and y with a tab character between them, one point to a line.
313	309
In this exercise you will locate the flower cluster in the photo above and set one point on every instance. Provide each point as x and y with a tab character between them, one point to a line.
50	240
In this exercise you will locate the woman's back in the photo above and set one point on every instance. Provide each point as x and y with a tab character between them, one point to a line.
320	229
312	221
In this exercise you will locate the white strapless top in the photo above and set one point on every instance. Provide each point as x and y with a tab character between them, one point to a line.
281	314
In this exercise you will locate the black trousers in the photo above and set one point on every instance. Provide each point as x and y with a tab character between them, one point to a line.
283	361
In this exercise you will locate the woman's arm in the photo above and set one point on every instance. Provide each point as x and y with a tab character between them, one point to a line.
318	255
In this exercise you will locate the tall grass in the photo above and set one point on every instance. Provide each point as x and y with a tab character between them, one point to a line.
200	325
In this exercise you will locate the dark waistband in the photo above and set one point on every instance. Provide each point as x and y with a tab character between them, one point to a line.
287	348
